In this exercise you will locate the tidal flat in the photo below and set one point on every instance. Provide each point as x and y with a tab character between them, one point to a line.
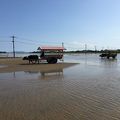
86	91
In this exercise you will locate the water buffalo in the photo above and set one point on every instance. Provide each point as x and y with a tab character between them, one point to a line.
108	55
32	58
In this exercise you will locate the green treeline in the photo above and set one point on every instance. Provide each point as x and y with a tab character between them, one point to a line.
3	52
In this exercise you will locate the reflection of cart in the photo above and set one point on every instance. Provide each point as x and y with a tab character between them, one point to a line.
56	74
51	54
52	74
109	53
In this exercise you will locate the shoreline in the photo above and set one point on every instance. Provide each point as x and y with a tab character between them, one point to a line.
17	64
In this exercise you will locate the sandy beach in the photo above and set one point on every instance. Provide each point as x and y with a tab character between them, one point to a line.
17	64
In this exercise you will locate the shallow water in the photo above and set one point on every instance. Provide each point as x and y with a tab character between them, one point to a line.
1	66
87	91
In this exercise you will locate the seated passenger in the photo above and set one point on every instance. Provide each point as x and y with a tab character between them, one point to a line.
42	54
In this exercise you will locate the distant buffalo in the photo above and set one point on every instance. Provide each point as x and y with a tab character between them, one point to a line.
103	55
108	55
32	58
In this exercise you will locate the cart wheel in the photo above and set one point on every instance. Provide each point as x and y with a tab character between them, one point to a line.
52	60
113	57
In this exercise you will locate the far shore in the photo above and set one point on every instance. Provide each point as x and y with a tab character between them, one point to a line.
17	64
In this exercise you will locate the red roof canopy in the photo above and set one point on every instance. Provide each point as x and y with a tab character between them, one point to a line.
50	48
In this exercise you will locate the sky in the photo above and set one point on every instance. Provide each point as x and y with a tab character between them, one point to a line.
75	23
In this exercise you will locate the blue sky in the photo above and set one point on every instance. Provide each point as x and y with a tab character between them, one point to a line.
51	22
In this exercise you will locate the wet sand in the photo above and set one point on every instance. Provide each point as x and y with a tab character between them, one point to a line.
17	64
81	92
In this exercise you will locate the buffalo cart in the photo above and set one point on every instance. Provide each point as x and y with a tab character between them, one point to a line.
109	54
51	54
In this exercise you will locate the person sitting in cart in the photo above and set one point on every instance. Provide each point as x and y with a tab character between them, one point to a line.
42	54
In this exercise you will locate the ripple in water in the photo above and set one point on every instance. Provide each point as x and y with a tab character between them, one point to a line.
82	92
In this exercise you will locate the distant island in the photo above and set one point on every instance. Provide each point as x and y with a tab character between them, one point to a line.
3	52
77	51
86	51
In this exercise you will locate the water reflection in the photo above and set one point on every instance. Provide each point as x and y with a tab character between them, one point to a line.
109	62
52	75
31	72
1	66
45	75
56	74
14	75
17	76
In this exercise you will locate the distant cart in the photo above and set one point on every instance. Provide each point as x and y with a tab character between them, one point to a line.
51	54
109	54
